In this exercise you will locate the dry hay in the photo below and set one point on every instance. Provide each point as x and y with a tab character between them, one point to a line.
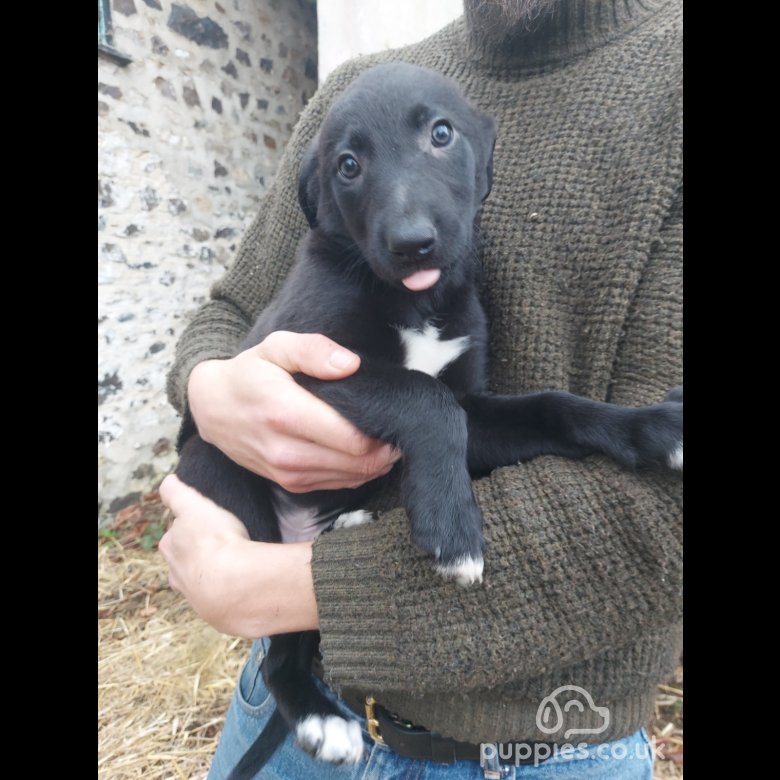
165	677
667	729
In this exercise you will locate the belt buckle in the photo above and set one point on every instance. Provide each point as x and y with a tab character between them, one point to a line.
373	723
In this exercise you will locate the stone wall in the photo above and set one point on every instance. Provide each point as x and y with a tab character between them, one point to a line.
189	136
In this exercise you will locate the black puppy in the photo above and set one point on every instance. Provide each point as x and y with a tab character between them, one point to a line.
391	187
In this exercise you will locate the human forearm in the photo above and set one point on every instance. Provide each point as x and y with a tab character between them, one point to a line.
282	574
580	557
263	589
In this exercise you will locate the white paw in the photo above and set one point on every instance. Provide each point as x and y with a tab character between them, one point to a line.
676	459
465	571
331	738
349	519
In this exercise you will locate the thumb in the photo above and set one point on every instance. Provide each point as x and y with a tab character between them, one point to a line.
175	494
308	353
186	501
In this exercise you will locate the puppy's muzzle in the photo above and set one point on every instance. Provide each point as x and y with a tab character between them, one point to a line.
412	240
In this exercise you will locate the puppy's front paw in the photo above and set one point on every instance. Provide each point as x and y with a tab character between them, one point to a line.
657	435
675	460
330	738
449	528
464	570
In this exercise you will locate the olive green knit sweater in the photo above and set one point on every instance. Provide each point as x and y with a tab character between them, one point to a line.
582	283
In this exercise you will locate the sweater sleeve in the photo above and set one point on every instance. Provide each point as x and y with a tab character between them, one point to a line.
581	556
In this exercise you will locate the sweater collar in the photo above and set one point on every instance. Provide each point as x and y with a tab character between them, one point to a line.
574	27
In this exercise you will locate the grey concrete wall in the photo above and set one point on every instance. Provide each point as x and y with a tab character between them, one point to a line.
189	136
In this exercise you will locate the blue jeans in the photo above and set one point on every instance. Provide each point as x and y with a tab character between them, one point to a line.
630	758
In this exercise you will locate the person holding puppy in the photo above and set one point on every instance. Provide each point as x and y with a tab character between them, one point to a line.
582	281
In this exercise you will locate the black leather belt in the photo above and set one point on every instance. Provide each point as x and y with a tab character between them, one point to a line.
412	741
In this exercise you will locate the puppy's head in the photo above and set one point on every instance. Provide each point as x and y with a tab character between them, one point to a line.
399	169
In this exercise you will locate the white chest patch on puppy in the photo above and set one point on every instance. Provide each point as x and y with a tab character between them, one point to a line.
426	352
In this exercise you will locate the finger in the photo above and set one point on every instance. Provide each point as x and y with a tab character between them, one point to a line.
306	482
168	490
180	498
164	547
193	509
291	456
305	417
299	468
310	353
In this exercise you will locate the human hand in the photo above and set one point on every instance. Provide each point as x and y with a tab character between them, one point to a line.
242	588
252	409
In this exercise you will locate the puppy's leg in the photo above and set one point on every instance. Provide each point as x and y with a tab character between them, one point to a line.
510	429
318	726
232	487
420	416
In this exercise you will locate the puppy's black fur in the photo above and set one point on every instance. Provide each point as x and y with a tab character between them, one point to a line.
391	187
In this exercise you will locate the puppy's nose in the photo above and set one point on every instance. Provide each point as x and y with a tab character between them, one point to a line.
414	241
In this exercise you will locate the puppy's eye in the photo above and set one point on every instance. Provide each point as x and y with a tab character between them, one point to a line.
442	133
349	167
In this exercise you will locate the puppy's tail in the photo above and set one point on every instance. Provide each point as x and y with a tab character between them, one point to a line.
261	750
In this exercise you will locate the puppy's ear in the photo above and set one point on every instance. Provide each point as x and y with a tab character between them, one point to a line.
309	182
485	161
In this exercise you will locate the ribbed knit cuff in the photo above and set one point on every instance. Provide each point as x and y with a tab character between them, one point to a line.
177	383
361	635
214	333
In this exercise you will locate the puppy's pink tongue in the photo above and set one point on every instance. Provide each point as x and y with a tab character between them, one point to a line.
422	280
